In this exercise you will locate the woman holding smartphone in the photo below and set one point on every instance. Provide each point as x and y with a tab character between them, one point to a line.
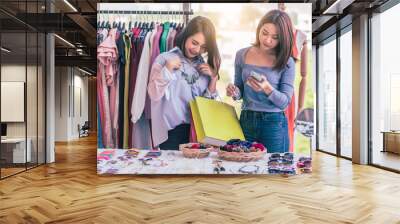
177	77
264	77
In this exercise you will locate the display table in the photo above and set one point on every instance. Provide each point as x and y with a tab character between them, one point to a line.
116	161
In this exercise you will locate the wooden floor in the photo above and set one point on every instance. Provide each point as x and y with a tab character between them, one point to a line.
10	171
70	191
5	172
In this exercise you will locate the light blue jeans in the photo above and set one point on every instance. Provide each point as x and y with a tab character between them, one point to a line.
268	128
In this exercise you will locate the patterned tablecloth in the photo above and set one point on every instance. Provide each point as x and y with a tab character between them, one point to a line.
117	161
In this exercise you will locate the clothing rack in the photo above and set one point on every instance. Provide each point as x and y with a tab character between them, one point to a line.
146	12
125	98
186	12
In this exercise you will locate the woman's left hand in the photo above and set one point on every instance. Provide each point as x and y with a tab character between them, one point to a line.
260	86
207	70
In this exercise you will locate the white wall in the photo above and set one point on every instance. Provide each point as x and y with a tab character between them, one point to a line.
79	117
70	83
61	103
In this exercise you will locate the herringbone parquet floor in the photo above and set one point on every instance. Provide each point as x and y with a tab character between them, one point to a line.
70	191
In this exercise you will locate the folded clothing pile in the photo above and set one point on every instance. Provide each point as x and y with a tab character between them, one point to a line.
304	164
237	145
281	164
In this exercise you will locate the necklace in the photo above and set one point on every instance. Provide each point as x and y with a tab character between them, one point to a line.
190	79
249	169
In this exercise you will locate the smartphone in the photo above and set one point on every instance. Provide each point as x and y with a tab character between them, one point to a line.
205	56
256	76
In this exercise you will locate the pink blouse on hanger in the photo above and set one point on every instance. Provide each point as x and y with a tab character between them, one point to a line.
107	54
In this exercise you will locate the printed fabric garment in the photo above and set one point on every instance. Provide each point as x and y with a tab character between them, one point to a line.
281	81
171	92
107	54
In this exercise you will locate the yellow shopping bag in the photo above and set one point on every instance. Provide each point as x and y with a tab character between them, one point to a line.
215	122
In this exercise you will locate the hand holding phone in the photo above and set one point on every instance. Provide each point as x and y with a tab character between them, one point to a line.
258	82
256	76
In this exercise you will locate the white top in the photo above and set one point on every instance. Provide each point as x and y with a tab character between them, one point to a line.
139	96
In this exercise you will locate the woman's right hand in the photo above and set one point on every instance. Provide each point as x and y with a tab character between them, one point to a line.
231	90
173	64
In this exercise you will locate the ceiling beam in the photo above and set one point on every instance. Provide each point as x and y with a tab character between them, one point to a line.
337	6
86	26
84	61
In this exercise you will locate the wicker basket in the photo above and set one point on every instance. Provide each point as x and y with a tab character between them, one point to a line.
188	152
241	156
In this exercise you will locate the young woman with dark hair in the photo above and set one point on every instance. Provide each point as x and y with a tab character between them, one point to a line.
179	75
266	94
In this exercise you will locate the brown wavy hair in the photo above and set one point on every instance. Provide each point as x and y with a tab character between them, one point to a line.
285	35
205	26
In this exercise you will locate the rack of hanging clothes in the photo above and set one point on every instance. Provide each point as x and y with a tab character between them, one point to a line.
127	44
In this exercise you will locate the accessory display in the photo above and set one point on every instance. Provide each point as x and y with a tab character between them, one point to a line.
304	164
249	169
195	150
158	163
286	156
132	153
281	164
153	154
106	155
218	168
145	161
242	151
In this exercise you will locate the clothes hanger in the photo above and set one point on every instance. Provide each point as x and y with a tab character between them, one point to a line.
114	24
148	20
175	19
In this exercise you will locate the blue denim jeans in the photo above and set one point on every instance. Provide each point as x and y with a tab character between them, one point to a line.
268	128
